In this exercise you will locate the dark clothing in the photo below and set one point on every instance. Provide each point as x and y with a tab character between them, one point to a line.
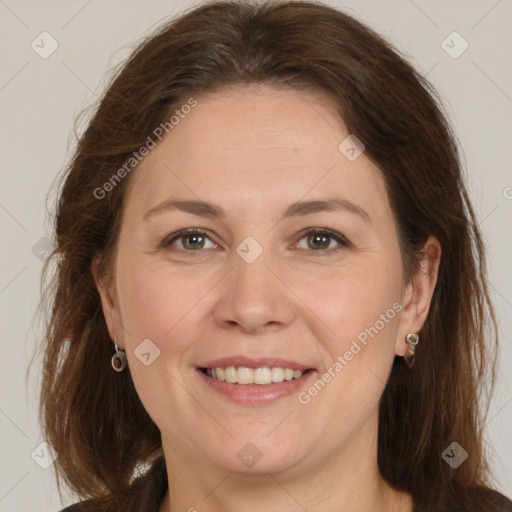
150	489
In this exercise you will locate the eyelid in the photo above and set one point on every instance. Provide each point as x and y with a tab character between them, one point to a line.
343	242
338	237
168	240
341	239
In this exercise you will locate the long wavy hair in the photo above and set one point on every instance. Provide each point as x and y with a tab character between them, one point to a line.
93	417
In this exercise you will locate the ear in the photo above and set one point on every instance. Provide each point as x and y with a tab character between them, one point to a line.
418	294
109	302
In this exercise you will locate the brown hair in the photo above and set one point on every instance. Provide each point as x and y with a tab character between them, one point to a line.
92	415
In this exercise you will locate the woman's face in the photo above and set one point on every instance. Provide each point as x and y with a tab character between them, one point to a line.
256	289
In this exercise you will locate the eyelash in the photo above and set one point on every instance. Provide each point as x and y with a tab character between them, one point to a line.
342	241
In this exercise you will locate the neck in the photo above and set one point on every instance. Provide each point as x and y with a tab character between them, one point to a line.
346	480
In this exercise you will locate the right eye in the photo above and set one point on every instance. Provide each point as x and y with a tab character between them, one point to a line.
191	240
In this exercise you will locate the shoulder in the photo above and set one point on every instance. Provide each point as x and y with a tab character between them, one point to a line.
500	502
497	502
477	500
145	493
77	507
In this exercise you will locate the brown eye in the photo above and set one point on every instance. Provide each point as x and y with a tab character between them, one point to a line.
194	241
190	240
320	240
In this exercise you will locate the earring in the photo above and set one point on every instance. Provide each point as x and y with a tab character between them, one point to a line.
411	340
118	360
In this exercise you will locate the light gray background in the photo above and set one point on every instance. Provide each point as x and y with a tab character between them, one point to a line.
40	99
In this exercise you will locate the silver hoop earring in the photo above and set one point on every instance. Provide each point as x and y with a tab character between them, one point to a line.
411	340
118	360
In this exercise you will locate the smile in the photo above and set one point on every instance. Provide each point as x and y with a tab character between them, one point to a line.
246	376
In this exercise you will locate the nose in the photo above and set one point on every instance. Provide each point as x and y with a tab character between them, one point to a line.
254	297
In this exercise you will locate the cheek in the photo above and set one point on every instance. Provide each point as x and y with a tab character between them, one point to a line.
360	308
154	302
360	311
353	300
158	305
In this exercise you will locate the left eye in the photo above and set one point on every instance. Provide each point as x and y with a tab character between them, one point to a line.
320	240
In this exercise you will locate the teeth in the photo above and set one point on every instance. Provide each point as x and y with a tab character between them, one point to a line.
230	374
288	374
277	374
262	376
243	375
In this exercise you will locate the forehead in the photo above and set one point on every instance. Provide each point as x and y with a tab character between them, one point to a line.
254	146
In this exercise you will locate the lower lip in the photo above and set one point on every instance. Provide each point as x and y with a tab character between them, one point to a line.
256	394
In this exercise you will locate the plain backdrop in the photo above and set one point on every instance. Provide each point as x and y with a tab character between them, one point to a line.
41	97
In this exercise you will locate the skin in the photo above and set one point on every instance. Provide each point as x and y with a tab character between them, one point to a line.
253	151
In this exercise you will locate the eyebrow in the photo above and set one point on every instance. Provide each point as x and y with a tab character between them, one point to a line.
297	209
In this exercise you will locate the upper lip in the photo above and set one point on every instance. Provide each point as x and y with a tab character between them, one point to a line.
256	362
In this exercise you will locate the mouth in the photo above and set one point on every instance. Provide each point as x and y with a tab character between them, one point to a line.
254	381
264	375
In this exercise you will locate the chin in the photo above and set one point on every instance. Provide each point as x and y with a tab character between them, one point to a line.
259	455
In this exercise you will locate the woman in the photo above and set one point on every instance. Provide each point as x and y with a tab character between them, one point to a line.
270	287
